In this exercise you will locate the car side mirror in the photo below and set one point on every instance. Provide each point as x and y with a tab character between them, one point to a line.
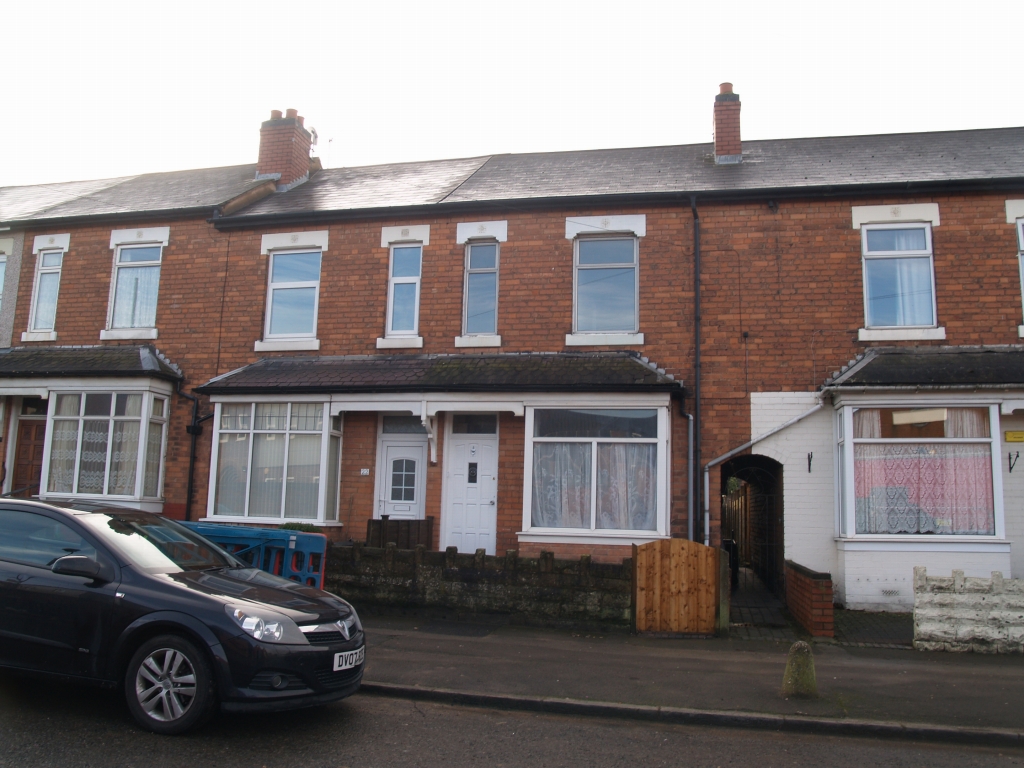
80	565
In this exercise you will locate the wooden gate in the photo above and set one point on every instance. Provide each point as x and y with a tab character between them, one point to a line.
681	587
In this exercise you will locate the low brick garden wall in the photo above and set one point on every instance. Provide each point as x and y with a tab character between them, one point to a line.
809	599
964	613
539	590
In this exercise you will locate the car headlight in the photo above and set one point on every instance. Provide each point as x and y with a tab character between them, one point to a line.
352	623
266	625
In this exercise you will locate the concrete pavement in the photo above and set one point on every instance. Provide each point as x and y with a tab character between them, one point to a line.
950	696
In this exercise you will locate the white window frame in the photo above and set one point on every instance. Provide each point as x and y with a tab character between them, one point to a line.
3	280
43	245
479	271
327	431
595	535
867	256
146	417
393	281
1019	229
127	239
577	267
846	518
272	286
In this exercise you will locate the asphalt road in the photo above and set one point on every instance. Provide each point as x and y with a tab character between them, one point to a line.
48	724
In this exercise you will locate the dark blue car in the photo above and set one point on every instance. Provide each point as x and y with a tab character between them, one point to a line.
120	597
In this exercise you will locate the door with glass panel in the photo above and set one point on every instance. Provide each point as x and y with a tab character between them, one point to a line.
403	480
470	519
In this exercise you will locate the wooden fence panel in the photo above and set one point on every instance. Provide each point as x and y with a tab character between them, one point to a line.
676	587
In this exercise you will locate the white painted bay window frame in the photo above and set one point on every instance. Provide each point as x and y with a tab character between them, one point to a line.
331	429
148	422
594	535
124	240
846	518
46	248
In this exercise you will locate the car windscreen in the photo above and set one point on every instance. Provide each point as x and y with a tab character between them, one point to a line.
156	544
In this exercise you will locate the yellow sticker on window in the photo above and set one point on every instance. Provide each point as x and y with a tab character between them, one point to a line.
1014	437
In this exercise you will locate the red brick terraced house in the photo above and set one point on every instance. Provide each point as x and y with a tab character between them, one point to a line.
519	346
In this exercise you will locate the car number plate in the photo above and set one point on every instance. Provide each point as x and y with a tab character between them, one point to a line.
349	659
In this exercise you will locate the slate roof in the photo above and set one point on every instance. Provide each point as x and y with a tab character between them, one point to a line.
129	361
146	193
812	165
514	372
995	367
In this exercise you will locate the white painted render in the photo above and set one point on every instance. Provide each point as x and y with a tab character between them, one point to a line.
467	230
1014	211
871	574
588	225
317	239
143	235
420	233
808	497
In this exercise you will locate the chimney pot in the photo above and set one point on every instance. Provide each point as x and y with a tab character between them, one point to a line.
301	120
292	113
275	114
725	88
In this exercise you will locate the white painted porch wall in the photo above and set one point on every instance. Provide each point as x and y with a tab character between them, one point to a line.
808	497
859	578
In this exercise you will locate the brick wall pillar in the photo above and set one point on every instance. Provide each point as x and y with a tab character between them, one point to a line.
809	599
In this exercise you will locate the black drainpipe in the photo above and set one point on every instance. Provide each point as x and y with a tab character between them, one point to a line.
194	429
696	349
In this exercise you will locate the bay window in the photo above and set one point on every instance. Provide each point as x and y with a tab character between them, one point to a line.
106	444
597	471
921	470
271	459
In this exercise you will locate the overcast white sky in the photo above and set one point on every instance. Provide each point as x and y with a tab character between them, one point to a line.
94	90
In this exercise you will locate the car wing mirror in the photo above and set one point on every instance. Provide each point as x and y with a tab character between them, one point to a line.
80	565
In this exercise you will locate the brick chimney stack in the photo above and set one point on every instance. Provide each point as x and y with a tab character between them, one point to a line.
284	149
728	149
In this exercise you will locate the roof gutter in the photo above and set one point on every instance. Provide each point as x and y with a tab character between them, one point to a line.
1014	184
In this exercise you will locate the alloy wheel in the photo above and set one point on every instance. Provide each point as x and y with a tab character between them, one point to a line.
165	684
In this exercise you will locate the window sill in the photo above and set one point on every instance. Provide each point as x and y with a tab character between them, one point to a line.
146	505
128	333
901	334
39	336
287	345
603	339
401	342
620	538
488	340
896	543
264	521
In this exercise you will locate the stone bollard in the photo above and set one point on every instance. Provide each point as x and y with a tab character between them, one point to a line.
800	682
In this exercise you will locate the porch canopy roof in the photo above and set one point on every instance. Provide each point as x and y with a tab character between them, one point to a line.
86	362
991	367
511	372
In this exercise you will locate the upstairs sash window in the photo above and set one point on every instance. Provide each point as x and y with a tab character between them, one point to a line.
899	288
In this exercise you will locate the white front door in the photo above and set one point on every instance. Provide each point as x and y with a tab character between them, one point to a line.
471	516
403	480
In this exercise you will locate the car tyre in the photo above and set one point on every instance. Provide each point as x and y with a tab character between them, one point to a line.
169	685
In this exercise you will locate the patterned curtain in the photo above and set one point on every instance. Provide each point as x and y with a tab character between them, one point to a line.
124	458
561	485
63	452
924	488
